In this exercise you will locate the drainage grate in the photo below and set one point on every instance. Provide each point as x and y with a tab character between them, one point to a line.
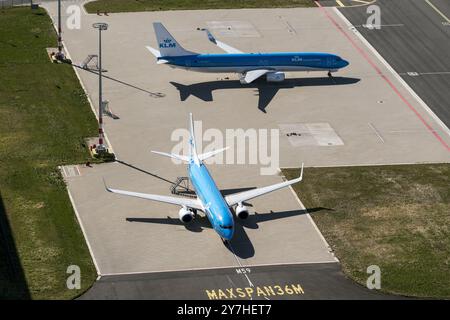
311	134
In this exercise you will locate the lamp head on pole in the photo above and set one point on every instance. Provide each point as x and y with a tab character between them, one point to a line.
100	25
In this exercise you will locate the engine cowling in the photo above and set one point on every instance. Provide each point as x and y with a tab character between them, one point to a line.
185	215
275	76
242	212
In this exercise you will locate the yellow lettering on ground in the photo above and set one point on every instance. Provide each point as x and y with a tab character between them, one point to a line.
260	292
222	294
279	291
298	289
247	292
241	293
269	290
211	294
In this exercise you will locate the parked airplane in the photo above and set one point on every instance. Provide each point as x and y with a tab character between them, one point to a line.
249	66
209	198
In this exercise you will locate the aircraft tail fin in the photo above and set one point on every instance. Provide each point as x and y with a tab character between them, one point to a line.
192	146
193	156
168	46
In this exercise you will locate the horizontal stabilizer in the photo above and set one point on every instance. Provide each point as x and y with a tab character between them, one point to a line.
173	156
207	155
154	52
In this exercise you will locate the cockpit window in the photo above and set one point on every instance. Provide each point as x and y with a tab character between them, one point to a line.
226	227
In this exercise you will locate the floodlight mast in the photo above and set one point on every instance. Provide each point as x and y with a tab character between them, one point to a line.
59	54
101	26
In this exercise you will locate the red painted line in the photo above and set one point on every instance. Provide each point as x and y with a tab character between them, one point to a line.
378	71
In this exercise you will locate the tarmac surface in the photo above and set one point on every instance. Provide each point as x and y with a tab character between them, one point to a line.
298	282
415	40
363	116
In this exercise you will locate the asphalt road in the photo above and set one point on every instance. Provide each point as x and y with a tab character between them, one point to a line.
300	281
415	40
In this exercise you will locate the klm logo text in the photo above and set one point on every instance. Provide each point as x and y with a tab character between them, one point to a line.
167	43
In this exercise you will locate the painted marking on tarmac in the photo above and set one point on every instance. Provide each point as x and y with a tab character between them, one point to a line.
361	1
396	75
224	267
416	74
339	2
376	132
438	11
83	230
384	77
258	291
242	267
372	27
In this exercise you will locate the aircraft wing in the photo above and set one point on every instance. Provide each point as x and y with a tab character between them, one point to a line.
184	202
236	198
252	75
220	44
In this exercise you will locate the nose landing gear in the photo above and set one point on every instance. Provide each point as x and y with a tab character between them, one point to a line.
331	76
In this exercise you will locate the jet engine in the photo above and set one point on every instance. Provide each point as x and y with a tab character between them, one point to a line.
185	215
241	211
275	76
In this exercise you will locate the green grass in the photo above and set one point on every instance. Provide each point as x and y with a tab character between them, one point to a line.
44	117
396	217
159	5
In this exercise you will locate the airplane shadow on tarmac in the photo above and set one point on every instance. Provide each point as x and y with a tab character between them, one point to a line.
241	245
264	90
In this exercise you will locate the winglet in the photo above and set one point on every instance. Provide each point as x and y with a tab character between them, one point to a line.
220	44
301	173
210	36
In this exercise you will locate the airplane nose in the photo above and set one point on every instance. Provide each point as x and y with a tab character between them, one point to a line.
345	63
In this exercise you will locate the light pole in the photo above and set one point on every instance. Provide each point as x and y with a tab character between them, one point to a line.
59	54
100	26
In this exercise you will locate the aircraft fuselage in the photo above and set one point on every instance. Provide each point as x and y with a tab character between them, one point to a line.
216	208
243	62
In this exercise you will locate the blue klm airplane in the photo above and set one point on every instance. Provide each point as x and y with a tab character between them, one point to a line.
249	66
209	198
